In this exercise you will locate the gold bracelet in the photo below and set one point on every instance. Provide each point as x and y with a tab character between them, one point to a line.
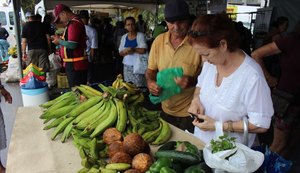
230	126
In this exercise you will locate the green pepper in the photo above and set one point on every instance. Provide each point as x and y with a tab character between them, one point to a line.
158	164
167	170
186	147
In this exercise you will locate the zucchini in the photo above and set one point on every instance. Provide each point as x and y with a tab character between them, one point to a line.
184	158
170	145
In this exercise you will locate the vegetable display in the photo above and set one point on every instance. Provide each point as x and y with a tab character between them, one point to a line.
85	114
179	157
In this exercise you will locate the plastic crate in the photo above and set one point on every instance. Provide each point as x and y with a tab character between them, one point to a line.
62	80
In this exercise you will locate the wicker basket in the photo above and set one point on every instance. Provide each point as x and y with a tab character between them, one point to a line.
62	80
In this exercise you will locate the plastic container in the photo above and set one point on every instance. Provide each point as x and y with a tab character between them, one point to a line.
34	97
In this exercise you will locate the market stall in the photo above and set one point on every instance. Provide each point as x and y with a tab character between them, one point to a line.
32	150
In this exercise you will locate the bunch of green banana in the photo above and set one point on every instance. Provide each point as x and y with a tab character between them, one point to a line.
63	118
57	108
118	82
165	134
52	102
149	125
91	150
88	91
135	99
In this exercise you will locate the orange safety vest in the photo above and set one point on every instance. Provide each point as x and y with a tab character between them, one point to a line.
66	58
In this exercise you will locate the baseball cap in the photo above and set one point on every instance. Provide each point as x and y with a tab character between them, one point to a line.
176	10
28	14
57	10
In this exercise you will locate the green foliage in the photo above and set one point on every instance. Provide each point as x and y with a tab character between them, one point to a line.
223	143
28	5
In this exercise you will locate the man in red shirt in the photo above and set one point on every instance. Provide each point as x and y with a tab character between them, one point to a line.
72	45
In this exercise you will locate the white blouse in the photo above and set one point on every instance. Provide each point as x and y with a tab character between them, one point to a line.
244	93
141	43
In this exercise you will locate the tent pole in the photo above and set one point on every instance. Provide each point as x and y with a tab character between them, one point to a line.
17	7
156	12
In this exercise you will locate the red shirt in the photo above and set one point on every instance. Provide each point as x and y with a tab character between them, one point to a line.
76	32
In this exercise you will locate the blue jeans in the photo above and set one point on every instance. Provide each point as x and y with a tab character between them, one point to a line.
4	45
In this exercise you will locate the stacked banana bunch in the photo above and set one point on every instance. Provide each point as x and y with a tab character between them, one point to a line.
128	92
92	116
149	125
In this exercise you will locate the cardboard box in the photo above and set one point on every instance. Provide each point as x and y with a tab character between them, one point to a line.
62	80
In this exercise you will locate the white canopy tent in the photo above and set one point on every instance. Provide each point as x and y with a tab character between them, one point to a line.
149	5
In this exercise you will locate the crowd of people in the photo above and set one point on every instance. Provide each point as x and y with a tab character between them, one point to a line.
224	84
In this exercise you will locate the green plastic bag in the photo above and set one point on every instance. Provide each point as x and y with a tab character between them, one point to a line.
165	80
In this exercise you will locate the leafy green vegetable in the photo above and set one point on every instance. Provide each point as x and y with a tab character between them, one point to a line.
186	146
223	143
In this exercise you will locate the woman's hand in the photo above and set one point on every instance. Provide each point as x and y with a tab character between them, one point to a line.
154	89
126	51
204	123
196	107
6	95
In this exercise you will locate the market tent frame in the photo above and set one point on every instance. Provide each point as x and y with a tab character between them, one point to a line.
150	5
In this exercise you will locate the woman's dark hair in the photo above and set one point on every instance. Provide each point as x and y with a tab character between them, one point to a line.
211	29
129	18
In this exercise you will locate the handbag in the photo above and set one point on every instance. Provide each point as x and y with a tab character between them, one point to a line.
140	63
281	101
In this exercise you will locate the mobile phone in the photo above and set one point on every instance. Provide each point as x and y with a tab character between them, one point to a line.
196	117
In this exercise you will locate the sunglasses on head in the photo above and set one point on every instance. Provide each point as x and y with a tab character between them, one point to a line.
196	34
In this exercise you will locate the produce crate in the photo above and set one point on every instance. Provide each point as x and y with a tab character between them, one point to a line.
62	80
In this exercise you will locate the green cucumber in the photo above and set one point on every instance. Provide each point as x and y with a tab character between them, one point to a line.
170	145
184	158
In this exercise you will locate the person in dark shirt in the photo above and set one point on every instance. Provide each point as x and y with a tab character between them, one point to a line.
141	24
288	84
36	39
3	42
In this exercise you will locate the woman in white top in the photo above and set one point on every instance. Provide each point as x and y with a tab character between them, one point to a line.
132	45
231	85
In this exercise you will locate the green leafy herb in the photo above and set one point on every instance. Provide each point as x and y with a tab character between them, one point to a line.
223	143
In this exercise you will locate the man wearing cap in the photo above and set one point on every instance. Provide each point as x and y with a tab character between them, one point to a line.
72	45
171	49
29	16
91	43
